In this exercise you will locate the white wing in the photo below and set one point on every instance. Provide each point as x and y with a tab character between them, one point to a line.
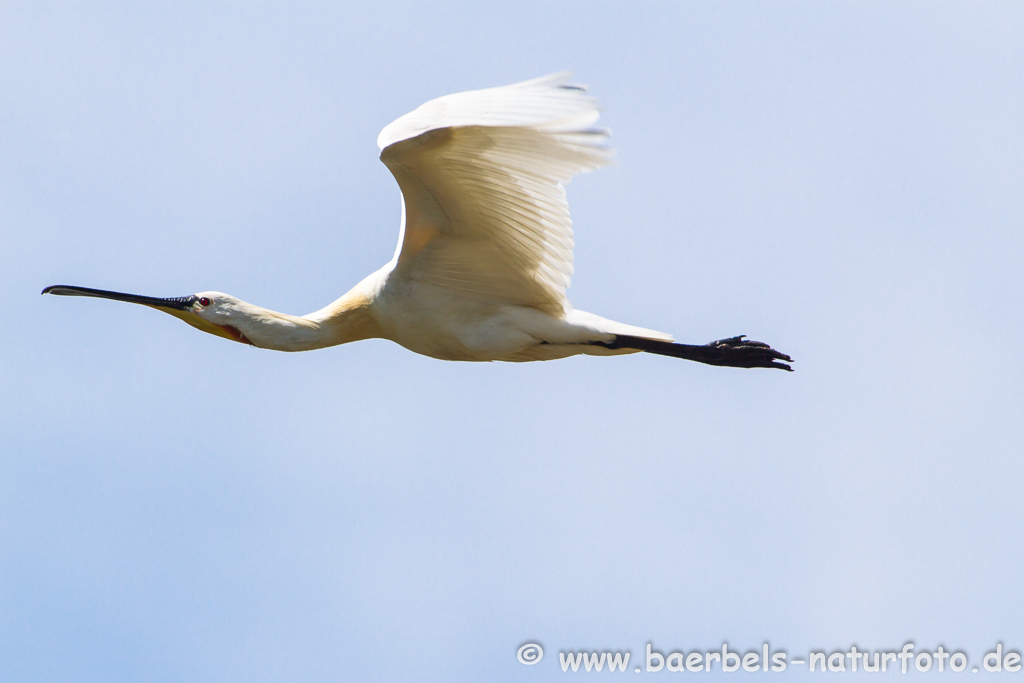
482	174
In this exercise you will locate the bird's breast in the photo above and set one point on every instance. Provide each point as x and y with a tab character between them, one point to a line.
433	323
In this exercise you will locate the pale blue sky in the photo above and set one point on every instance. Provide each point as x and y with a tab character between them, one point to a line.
842	180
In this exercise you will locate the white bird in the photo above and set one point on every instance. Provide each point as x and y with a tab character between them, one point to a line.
484	251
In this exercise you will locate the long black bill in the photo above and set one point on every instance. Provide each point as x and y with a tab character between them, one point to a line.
180	303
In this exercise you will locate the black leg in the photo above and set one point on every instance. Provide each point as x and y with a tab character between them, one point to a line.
734	352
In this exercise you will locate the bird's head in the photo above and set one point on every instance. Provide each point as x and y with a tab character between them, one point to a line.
213	312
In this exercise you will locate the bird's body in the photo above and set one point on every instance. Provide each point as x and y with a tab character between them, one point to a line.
426	320
485	249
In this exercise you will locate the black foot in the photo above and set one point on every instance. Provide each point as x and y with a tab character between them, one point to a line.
738	352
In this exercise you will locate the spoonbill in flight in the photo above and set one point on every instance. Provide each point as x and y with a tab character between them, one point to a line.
484	250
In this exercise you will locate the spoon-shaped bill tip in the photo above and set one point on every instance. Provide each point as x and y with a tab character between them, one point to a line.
63	290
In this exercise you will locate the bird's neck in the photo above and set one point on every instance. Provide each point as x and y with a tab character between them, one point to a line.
348	319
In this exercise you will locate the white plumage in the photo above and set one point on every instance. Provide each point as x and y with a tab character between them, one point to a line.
486	242
485	250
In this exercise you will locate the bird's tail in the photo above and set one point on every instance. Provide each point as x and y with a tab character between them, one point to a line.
735	352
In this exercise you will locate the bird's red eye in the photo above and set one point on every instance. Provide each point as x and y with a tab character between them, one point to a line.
204	301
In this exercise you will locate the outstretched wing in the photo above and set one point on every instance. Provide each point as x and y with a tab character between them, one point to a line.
482	175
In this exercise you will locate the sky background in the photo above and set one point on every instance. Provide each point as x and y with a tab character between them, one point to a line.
842	180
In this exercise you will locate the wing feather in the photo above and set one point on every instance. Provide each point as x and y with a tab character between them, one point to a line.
482	175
